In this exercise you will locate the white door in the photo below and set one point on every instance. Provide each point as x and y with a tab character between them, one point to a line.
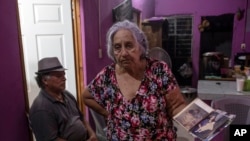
46	27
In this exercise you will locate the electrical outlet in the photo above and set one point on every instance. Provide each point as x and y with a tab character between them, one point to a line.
243	46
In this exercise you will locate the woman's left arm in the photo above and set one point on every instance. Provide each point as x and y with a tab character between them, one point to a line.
175	100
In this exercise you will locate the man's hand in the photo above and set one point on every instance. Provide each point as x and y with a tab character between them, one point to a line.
92	138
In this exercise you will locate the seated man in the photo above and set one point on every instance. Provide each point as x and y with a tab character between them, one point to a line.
54	114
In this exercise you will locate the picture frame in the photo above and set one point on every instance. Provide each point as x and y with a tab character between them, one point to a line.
123	11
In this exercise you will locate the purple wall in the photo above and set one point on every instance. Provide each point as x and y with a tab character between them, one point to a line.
13	122
200	8
147	7
162	8
94	37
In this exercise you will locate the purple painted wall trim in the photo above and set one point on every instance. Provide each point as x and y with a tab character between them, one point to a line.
200	8
13	121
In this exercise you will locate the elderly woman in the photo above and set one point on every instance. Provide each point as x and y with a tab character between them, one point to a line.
138	95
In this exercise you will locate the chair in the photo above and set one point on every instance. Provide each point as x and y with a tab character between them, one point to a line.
238	105
100	125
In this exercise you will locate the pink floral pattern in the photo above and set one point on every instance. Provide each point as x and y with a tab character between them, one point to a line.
143	118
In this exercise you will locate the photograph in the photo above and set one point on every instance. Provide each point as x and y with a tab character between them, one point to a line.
209	126
191	116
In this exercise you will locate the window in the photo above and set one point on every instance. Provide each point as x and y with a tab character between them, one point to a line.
179	42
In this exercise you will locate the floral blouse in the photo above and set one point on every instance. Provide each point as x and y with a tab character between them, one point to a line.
143	118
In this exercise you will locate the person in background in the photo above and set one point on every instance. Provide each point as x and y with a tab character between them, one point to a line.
190	118
54	114
138	95
207	125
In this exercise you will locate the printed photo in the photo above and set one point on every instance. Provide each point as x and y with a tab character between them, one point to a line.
211	124
191	116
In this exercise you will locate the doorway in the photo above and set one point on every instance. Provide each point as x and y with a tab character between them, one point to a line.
216	36
51	28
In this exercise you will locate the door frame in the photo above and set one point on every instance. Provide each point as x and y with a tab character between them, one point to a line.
78	52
